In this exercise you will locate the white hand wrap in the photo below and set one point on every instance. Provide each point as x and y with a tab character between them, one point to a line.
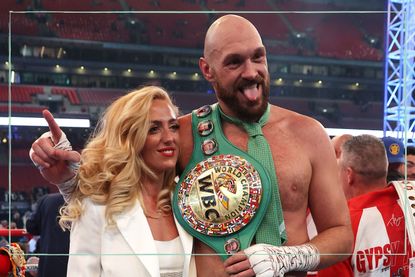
63	144
66	188
268	260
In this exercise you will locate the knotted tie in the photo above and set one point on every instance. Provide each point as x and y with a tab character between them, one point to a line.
259	149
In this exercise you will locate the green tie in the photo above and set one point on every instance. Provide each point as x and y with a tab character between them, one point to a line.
259	149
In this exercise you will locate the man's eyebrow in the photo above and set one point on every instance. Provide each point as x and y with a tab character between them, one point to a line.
258	51
230	57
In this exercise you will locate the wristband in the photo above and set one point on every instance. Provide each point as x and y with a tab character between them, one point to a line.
66	188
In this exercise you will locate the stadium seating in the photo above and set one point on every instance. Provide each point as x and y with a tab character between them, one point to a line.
278	23
69	93
4	109
100	97
19	93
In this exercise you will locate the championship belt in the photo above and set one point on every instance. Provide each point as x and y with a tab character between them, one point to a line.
222	196
406	193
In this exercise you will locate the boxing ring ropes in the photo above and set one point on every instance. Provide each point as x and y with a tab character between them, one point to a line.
399	104
14	233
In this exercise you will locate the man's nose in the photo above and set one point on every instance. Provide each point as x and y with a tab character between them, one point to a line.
250	70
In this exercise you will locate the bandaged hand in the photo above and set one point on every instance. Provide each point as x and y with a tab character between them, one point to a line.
264	260
62	144
52	154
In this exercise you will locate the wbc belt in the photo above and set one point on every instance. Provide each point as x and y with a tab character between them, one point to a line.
223	193
406	193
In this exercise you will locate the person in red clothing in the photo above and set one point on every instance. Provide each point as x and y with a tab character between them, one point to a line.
12	261
382	247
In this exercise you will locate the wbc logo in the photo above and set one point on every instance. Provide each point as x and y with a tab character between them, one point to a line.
224	182
220	195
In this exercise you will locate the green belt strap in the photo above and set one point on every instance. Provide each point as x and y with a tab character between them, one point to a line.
258	148
266	220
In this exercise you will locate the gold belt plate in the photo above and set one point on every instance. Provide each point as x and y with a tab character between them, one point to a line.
220	195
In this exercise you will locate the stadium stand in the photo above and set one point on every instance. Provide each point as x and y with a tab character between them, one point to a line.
284	28
19	94
286	33
99	97
4	109
70	93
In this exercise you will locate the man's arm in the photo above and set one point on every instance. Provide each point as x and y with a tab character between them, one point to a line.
186	145
265	260
327	201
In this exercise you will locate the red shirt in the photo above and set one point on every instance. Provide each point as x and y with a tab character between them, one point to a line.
381	246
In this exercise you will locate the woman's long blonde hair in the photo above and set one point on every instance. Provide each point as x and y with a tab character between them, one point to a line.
112	169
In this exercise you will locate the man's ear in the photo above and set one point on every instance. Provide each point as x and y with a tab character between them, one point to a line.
206	69
351	176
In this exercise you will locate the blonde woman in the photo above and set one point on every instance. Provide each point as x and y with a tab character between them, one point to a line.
120	213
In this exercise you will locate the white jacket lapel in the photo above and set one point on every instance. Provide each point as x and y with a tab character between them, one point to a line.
187	242
136	231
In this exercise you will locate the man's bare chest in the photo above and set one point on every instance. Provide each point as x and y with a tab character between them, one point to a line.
292	167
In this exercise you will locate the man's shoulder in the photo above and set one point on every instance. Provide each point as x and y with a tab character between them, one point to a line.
280	113
186	145
293	121
54	197
185	123
380	197
186	118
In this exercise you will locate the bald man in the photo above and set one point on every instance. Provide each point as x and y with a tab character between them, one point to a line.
235	63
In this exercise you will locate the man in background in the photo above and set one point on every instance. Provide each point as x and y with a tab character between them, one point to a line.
377	218
53	240
410	162
395	151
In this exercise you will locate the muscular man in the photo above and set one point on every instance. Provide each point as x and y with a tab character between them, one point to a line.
235	63
376	215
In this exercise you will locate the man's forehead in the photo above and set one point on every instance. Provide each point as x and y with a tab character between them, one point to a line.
410	158
231	34
238	47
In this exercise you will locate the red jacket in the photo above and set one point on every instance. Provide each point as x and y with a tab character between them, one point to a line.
381	246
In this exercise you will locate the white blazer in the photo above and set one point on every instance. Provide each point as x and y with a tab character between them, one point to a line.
125	250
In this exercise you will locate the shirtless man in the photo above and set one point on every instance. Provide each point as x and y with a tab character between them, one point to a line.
235	64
